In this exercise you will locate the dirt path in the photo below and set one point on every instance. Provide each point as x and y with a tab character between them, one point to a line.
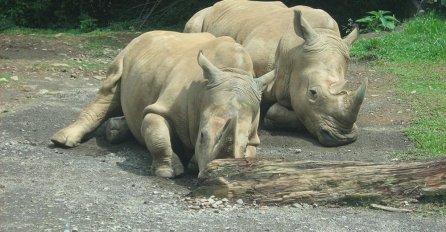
103	187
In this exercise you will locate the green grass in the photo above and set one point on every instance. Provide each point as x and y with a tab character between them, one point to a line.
417	55
5	75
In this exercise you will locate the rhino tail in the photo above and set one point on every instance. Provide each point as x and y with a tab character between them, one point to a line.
114	73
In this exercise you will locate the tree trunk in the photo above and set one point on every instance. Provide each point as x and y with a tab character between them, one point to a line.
322	182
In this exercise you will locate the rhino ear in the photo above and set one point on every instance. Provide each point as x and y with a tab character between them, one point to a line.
263	81
300	24
351	37
210	72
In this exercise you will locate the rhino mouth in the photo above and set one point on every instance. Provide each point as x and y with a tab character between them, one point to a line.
331	136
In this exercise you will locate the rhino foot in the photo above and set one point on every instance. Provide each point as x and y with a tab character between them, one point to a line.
67	137
117	130
175	168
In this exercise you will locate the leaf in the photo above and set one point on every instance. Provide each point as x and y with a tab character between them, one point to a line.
364	20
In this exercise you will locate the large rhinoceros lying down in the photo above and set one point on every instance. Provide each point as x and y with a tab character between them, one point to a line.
211	106
304	46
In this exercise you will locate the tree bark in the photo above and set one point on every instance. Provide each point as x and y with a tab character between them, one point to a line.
322	182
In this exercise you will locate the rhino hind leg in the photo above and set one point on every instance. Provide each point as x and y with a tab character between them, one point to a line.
105	105
279	117
117	130
156	133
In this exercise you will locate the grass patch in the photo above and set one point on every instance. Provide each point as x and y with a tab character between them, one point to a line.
5	75
417	55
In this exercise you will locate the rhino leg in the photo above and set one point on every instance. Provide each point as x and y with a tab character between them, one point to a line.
117	130
105	105
280	118
156	133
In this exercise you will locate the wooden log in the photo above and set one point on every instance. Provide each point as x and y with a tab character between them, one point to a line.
322	182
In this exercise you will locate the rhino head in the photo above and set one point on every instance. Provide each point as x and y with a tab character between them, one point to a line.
229	113
316	84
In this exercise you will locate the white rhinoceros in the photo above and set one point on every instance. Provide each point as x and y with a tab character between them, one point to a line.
310	59
211	106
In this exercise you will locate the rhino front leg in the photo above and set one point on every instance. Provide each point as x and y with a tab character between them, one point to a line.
105	105
156	131
280	118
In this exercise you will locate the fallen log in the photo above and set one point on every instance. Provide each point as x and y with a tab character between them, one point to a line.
322	182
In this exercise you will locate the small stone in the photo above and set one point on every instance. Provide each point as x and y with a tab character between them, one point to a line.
74	229
14	78
306	206
297	205
43	91
298	151
224	199
58	35
3	80
99	77
413	92
211	201
73	76
239	201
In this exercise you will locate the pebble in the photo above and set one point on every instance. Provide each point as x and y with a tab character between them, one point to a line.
298	151
239	201
297	205
14	78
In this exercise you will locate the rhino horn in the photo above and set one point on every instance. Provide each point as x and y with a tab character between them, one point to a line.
358	98
309	34
351	37
211	72
263	81
225	147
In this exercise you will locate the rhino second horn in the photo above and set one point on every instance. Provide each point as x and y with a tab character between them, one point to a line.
263	81
358	98
211	72
309	34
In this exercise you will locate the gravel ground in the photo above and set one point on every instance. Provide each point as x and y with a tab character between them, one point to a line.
103	187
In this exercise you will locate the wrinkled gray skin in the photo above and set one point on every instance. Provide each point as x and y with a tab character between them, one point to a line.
166	94
304	48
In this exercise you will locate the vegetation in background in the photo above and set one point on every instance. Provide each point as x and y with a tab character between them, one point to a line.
377	21
89	15
417	55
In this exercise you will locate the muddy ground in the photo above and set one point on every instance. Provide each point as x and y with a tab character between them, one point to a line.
103	187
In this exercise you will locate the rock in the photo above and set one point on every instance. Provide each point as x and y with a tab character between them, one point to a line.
43	91
73	76
306	206
298	151
3	80
60	65
14	78
99	77
211	201
297	205
239	201
58	35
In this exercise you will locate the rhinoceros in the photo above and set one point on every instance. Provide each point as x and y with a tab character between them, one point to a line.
211	105
304	47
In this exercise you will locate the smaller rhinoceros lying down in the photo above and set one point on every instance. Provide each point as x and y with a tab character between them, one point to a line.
211	106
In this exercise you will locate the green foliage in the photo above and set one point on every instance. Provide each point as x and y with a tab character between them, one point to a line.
5	75
378	21
88	24
417	55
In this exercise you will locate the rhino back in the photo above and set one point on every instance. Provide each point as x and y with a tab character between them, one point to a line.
151	64
162	76
259	26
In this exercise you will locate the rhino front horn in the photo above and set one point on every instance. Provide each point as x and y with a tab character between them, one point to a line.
358	98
